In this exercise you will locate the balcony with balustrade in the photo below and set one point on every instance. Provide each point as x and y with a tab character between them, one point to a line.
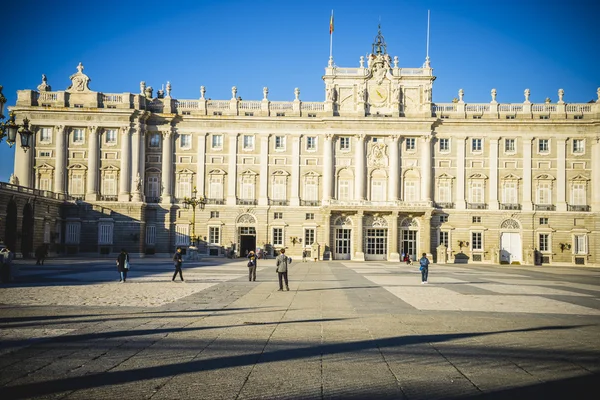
214	201
279	202
477	206
579	208
246	202
444	205
310	203
544	207
510	206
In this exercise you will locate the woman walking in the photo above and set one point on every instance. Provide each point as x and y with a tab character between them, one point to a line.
123	265
252	266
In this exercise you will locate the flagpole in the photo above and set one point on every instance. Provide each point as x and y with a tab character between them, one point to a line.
331	40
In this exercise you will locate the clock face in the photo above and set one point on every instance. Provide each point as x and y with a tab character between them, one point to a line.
379	94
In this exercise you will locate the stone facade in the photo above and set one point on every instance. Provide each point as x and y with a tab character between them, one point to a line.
374	171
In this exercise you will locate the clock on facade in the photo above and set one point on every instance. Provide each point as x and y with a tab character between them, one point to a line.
379	94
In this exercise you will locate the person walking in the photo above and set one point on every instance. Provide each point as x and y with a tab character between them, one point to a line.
40	254
304	255
424	267
282	263
123	265
252	266
177	261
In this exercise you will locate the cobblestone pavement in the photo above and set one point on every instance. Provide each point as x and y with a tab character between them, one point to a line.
348	330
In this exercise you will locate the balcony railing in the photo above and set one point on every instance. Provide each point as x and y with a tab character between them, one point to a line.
279	202
477	206
544	207
578	208
109	198
510	206
444	205
311	203
215	201
246	202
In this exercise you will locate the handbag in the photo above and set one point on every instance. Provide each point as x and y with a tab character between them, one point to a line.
250	264
126	264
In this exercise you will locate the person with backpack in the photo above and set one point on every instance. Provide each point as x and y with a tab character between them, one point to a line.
252	257
177	261
424	267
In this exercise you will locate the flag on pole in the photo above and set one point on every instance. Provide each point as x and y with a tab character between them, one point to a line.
331	23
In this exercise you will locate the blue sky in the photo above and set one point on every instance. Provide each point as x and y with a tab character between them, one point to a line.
509	45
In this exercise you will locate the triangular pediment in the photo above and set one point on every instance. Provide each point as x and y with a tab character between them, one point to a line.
312	174
544	177
445	176
281	173
44	166
77	167
580	177
478	176
217	171
511	177
185	171
109	168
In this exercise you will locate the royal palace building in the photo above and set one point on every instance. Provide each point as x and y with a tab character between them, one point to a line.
374	171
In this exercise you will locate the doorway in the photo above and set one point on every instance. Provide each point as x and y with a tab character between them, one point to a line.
376	243
342	243
409	243
247	240
510	247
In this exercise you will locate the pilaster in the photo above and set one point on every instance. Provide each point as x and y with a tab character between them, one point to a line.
425	234
359	165
426	168
595	174
201	164
460	173
61	160
232	170
135	180
561	175
328	169
263	197
394	172
295	183
125	173
493	172
394	255
359	254
93	162
527	204
167	167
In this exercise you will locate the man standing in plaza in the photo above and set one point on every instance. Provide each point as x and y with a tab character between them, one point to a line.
282	270
424	267
177	261
252	266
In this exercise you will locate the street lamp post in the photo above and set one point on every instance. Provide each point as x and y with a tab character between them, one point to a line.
194	202
10	128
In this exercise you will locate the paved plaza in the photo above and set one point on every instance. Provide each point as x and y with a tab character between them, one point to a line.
347	330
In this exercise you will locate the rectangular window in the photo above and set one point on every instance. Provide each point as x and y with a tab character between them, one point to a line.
247	191
248	142
278	215
311	143
309	236
444	145
411	144
444	238
476	240
344	190
345	143
110	136
580	244
77	184
45	154
215	189
44	184
182	235
214	214
476	145
279	142
217	141
578	194
277	236
46	135
105	233
184	188
578	146
279	188
150	234
109	184
310	216
214	235
185	141
544	221
152	188
444	192
77	135
477	192
509	193
310	188
154	141
410	191
476	220
443	218
72	233
509	145
543	145
378	190
544	194
544	242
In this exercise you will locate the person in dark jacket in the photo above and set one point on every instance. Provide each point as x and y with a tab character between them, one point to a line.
177	261
40	254
424	267
123	265
282	262
252	257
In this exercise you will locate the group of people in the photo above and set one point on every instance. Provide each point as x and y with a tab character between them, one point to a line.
282	262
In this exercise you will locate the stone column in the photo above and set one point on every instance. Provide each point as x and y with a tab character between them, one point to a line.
527	204
561	175
460	174
359	255
263	197
394	172
135	165
232	170
295	178
493	202
359	168
425	235
125	173
426	168
393	232
167	166
142	130
93	164
24	162
328	166
595	183
201	165
61	160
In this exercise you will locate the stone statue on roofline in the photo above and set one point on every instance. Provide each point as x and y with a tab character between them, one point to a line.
79	81
44	87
